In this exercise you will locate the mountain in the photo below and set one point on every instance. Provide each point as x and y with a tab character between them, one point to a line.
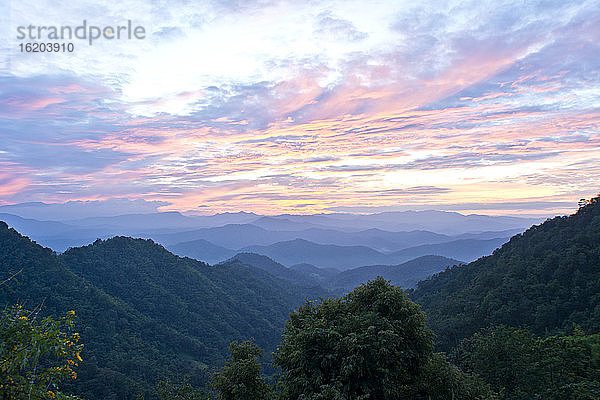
162	221
136	214
202	250
138	222
243	235
329	256
56	235
145	314
216	304
508	233
282	224
378	239
41	228
448	223
275	269
463	249
546	279
405	275
231	236
118	339
301	251
386	232
322	274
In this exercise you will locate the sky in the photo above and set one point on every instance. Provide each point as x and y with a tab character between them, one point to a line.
489	107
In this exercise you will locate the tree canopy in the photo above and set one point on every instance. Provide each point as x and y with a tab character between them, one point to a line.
520	365
370	344
240	378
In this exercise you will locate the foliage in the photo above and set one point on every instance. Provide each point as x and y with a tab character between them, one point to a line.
368	344
36	354
240	378
545	279
441	380
522	366
183	391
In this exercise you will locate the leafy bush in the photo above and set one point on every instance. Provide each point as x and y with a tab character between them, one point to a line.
36	354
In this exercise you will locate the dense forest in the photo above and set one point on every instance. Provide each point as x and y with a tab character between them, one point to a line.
522	323
546	280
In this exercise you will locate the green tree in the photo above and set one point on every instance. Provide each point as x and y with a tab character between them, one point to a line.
500	356
240	378
520	365
370	344
441	380
36	354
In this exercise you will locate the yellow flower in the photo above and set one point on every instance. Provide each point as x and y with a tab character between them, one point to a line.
71	312
51	394
78	356
23	317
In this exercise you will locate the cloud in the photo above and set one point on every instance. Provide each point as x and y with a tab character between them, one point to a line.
331	28
269	106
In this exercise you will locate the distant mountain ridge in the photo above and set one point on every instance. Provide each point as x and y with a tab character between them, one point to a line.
405	275
329	256
216	238
300	251
202	250
444	222
462	249
138	215
149	224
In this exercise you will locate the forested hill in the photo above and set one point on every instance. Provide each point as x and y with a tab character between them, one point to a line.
143	313
215	304
115	335
545	279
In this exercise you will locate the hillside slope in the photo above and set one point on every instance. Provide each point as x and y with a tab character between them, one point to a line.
276	269
144	313
214	304
546	279
116	337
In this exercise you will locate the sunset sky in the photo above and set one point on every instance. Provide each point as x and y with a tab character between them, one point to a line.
488	107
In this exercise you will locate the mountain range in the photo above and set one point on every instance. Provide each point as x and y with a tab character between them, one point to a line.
340	241
384	232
